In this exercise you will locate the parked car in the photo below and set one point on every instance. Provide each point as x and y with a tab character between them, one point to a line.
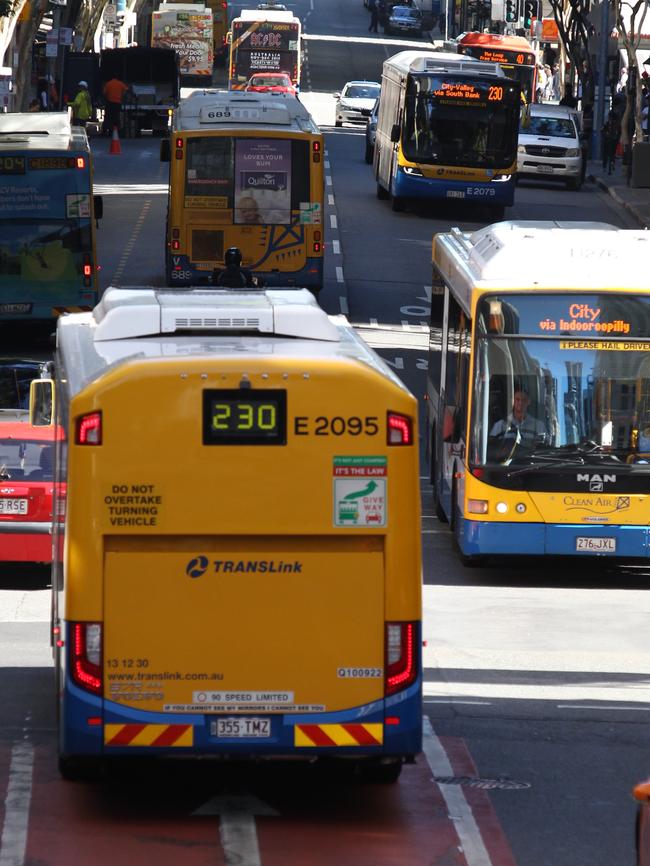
404	21
26	491
371	132
549	145
271	82
355	98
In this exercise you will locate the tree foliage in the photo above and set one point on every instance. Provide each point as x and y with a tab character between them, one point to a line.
571	17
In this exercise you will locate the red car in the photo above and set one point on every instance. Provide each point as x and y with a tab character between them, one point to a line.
271	82
26	492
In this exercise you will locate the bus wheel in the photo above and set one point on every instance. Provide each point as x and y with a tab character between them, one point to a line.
382	193
79	769
369	154
396	203
380	772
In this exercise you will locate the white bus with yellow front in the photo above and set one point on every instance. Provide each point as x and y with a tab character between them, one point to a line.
241	567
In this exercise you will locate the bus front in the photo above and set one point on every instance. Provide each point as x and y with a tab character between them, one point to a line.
47	250
264	46
459	139
255	186
559	436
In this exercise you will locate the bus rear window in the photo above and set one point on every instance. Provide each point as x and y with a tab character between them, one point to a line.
261	179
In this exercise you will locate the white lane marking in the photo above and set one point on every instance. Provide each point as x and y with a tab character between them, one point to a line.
434	531
406	325
343	304
328	180
13	843
327	164
374	323
336	248
339	274
128	249
600	707
621	693
330	199
450	701
333	221
464	822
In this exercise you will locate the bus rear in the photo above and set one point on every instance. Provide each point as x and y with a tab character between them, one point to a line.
264	42
246	170
242	566
47	213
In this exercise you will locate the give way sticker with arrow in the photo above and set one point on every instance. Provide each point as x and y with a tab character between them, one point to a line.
360	491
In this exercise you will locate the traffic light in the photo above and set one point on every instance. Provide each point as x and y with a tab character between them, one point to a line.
512	10
531	10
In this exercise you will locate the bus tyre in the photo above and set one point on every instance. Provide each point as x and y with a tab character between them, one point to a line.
369	154
383	771
79	769
382	193
396	203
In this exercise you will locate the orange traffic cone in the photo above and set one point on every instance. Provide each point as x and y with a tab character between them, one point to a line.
115	142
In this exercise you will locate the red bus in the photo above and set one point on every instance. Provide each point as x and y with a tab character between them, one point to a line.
514	54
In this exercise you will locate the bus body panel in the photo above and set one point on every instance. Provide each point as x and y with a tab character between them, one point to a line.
217	584
479	191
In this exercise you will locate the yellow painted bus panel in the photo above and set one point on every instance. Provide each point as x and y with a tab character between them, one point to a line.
263	625
147	483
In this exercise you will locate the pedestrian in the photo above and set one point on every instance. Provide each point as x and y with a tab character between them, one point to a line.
114	91
52	93
622	81
610	135
541	83
42	87
569	99
82	107
557	92
374	17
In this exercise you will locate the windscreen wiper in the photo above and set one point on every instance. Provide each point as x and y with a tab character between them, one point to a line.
546	461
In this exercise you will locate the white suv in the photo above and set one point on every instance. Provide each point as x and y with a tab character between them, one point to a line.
549	144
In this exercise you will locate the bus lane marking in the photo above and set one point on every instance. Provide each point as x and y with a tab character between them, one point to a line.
13	843
473	847
132	241
237	829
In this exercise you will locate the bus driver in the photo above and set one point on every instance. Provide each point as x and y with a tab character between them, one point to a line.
519	423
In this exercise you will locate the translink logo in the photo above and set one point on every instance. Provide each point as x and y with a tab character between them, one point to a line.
198	566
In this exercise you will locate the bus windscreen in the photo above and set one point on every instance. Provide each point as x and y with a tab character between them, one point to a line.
461	122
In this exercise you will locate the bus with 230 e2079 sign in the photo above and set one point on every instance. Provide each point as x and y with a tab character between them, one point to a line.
280	617
538	390
48	261
246	171
447	128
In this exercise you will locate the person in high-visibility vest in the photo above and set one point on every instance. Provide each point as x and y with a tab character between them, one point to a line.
114	91
82	106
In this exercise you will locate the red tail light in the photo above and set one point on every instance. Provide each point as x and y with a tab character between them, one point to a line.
400	429
401	663
86	654
89	429
179	148
81	162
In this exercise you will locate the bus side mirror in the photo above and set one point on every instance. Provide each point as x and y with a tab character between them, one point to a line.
449	425
165	150
229	37
98	204
41	403
395	133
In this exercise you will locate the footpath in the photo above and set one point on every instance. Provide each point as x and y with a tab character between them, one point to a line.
636	201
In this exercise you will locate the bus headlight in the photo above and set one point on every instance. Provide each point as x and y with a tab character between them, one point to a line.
412	170
501	178
477	506
502	507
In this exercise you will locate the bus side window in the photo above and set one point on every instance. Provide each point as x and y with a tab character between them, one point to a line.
457	370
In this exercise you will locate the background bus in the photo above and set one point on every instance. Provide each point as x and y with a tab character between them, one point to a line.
514	54
538	389
295	519
48	262
246	171
447	128
264	41
219	28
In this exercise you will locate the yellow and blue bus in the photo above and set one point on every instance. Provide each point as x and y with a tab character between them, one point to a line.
447	129
246	170
241	572
538	390
48	261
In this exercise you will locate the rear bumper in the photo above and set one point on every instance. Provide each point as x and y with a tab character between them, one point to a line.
309	277
292	735
25	542
552	539
476	192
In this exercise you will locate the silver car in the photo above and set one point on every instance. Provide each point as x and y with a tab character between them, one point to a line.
355	98
404	20
549	145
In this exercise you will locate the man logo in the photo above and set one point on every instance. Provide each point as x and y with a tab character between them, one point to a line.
197	567
596	482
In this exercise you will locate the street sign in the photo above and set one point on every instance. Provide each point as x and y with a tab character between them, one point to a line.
52	43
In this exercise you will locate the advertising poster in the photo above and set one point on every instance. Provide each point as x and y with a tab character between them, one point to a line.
262	181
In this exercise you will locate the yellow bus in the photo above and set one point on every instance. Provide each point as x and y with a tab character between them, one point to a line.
246	170
241	572
537	390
